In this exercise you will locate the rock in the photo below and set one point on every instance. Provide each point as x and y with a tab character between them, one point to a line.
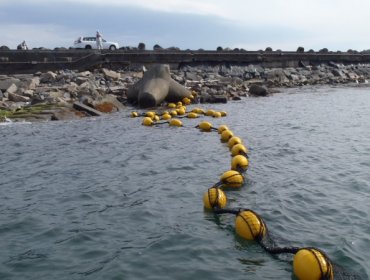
91	111
30	83
17	98
66	114
338	73
111	99
257	90
84	74
111	74
48	77
277	76
28	93
7	82
219	99
12	89
192	76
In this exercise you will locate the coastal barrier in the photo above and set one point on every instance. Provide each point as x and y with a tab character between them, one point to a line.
32	61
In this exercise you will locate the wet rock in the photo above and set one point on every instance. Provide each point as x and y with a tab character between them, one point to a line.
66	114
258	90
87	109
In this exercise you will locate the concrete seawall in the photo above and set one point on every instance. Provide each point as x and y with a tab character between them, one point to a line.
31	61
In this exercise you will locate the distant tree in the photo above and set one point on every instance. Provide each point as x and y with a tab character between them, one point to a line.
219	49
324	50
157	47
300	49
268	49
141	46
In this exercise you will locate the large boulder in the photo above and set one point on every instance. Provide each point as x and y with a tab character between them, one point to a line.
258	90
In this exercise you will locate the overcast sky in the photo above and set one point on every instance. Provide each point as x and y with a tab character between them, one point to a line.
190	24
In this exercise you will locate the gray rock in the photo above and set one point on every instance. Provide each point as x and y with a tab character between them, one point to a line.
257	90
111	74
7	82
30	83
91	111
65	114
48	77
192	76
28	93
12	89
17	98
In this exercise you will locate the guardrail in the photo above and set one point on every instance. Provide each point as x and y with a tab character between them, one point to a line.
31	61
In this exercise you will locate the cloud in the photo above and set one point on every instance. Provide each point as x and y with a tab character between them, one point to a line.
285	24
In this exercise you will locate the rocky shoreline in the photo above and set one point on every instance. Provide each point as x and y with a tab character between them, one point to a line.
68	94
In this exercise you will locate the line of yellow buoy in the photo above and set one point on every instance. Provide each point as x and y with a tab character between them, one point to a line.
308	263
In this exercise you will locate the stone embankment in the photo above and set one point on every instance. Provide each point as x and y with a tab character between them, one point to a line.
66	94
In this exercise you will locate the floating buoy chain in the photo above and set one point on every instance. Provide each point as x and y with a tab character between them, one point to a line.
261	234
309	263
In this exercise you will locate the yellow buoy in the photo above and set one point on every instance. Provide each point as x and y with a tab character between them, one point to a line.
216	115
186	101
239	149
210	113
150	114
179	104
192	115
226	135
173	113
205	126
232	179
180	111
134	114
197	110
214	197
171	105
175	122
156	118
239	162
311	264
223	114
249	225
233	141
222	128
147	121
166	116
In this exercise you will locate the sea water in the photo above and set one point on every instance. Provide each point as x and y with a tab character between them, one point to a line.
107	198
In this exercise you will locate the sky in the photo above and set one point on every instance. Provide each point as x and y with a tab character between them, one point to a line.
190	24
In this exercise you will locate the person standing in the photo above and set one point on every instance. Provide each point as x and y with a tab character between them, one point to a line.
99	41
22	46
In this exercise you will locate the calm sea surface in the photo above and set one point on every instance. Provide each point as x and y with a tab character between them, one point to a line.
107	198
